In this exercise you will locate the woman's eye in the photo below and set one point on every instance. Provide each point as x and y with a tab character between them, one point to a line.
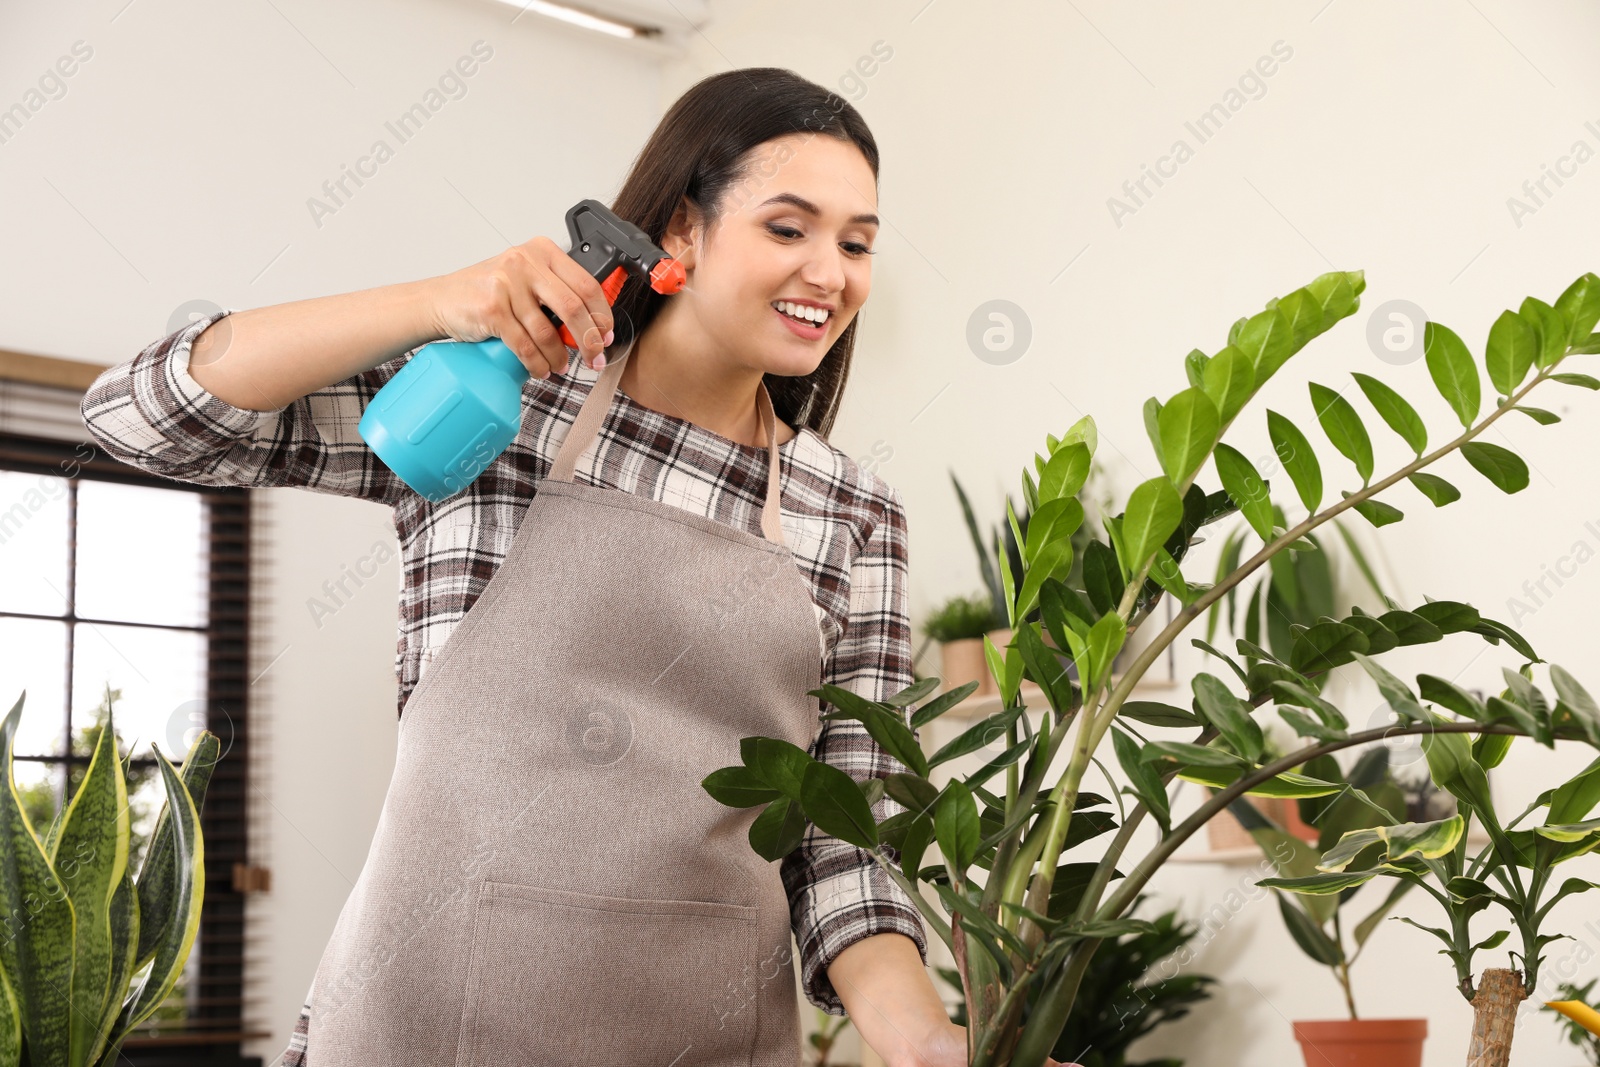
855	248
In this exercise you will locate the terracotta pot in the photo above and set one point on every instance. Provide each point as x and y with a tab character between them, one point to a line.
961	662
1362	1042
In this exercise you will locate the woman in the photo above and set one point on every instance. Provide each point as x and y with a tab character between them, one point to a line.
549	882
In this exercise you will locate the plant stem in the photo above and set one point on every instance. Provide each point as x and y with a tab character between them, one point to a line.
1343	970
1494	1016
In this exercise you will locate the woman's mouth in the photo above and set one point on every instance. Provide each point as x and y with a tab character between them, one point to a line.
794	317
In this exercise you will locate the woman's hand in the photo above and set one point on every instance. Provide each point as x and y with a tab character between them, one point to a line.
946	1046
500	297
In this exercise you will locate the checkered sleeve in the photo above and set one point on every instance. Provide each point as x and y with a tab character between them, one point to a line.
838	894
150	413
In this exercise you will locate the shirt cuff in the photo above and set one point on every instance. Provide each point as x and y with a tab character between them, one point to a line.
848	905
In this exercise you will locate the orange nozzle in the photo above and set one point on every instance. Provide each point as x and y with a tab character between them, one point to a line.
668	277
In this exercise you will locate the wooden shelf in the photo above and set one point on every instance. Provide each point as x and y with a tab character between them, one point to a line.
982	705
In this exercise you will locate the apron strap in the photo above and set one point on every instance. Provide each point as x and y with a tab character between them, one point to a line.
586	427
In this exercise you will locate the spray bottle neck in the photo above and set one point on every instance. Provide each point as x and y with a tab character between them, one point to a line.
504	360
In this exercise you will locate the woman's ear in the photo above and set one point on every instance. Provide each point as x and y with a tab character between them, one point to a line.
684	234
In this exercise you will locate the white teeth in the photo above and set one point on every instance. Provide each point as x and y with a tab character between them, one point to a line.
818	316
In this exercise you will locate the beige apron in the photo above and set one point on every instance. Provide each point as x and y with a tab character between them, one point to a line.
549	883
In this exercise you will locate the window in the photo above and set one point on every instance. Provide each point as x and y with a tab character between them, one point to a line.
122	589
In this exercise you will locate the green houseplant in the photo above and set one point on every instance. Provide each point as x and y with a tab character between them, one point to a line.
1017	918
90	951
1325	926
1124	997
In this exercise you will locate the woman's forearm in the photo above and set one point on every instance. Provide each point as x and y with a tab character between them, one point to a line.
890	998
266	358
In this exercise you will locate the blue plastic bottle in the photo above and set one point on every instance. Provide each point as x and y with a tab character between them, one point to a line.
456	405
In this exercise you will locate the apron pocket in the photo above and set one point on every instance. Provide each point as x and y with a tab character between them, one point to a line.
585	980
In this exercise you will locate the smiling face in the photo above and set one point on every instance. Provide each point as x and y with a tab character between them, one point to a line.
800	228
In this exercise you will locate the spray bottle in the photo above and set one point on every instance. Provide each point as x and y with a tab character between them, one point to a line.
456	405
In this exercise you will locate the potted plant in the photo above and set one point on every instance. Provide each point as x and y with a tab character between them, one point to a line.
80	926
1323	926
959	625
1017	919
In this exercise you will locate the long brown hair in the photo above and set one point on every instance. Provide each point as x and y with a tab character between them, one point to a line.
698	151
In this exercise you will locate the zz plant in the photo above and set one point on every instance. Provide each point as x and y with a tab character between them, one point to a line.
90	952
1016	917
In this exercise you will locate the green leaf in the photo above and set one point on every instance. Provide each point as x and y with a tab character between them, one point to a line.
1550	326
1152	424
1584	380
1501	466
1452	766
1580	307
1104	642
1154	511
1064	474
90	856
1375	511
1246	488
1539	415
1188	425
1336	291
1452	369
1320	884
978	735
1191	756
1575	701
1434	488
1288	784
1230	715
938	705
778	830
1304	313
183	860
896	738
776	763
1297	457
956	827
1147	784
1325	645
1267	338
36	954
1513	344
1229	380
1194	367
833	800
738	787
1308	934
1400	415
1344	428
1155	713
1102	578
1365	927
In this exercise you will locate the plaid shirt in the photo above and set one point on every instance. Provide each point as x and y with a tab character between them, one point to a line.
846	527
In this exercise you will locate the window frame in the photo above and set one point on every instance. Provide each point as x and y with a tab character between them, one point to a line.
216	1026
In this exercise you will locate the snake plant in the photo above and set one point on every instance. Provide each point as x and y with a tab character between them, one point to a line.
89	952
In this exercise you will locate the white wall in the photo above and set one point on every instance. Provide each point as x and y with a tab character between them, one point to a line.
179	162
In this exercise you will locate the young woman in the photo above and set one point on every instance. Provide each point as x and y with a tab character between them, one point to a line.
666	559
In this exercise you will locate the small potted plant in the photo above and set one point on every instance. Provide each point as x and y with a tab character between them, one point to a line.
1323	927
959	625
78	920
